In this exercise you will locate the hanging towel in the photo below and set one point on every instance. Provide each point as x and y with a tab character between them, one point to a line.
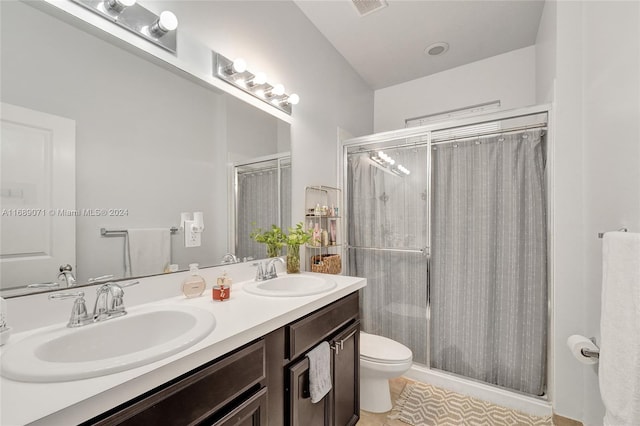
319	371
619	373
149	251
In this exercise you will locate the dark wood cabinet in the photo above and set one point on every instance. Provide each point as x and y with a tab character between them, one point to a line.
303	412
346	376
266	382
198	397
337	324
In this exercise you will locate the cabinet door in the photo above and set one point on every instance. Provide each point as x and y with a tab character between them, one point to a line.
346	376
253	412
301	410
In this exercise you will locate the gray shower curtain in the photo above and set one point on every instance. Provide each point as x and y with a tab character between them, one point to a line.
257	206
489	262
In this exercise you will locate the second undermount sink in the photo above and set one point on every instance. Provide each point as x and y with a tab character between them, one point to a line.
290	285
143	336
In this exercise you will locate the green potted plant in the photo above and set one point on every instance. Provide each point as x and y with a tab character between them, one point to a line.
274	238
297	237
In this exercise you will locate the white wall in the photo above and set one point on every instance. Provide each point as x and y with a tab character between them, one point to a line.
509	78
277	38
274	36
588	65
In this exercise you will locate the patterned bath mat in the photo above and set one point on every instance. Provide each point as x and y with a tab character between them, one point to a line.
421	404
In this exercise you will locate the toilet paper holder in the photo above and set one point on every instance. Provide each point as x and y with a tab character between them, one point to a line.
591	353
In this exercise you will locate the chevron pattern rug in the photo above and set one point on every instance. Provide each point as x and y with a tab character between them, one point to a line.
421	404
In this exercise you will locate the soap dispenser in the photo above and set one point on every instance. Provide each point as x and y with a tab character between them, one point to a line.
194	284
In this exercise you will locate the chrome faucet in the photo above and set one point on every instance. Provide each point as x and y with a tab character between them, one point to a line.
268	272
102	309
230	258
67	276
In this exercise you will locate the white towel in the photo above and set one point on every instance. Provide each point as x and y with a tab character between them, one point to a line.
319	371
149	251
619	373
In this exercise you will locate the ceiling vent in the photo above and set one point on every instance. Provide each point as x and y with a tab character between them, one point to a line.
366	7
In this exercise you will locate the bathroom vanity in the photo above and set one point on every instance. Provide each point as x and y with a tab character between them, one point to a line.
251	370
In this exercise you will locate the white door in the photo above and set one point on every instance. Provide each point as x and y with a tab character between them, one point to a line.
37	184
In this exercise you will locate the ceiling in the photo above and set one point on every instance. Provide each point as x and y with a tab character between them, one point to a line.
387	47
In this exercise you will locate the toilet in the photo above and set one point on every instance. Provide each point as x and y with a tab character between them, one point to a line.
381	359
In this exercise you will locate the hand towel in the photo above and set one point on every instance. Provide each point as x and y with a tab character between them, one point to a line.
319	371
149	251
619	373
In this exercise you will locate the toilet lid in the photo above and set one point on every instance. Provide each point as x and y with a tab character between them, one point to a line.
382	349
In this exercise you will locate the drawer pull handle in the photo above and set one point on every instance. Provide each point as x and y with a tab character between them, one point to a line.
338	345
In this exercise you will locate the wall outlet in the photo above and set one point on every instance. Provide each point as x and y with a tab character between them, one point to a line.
191	238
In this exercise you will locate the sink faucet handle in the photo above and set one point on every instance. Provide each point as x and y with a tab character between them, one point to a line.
101	278
66	295
260	272
79	315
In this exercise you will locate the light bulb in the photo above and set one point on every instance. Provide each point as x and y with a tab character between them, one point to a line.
168	21
260	78
278	90
239	65
260	93
293	99
119	5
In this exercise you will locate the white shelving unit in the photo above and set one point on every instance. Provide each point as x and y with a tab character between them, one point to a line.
323	212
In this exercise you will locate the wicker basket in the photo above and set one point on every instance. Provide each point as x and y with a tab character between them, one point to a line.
326	263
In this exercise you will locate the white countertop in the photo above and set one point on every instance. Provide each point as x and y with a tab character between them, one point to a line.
240	320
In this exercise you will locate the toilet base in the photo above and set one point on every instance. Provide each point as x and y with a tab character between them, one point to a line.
375	395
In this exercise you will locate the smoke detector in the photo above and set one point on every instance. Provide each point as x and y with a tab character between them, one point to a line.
437	49
367	7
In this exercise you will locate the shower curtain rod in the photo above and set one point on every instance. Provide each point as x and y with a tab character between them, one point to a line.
489	133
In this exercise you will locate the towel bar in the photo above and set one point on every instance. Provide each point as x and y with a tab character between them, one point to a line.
623	229
119	232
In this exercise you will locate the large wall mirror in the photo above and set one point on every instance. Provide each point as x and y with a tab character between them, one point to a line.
96	137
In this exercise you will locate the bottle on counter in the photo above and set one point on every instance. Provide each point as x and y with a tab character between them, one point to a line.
194	284
222	290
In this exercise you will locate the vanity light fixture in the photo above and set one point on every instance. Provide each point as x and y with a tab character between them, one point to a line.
388	163
158	29
236	73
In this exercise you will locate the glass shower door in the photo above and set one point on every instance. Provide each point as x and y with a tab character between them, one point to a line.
387	209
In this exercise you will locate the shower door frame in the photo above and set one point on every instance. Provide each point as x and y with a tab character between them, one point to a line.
427	131
232	198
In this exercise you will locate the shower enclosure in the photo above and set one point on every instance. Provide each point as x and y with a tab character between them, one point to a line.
448	223
262	198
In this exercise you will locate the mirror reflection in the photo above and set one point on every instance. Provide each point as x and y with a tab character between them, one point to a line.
97	138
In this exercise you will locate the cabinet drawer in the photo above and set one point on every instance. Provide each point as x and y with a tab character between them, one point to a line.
308	331
252	412
198	395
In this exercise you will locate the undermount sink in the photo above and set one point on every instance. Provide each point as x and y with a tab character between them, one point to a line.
290	286
142	336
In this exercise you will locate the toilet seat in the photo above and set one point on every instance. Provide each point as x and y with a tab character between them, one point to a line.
383	350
